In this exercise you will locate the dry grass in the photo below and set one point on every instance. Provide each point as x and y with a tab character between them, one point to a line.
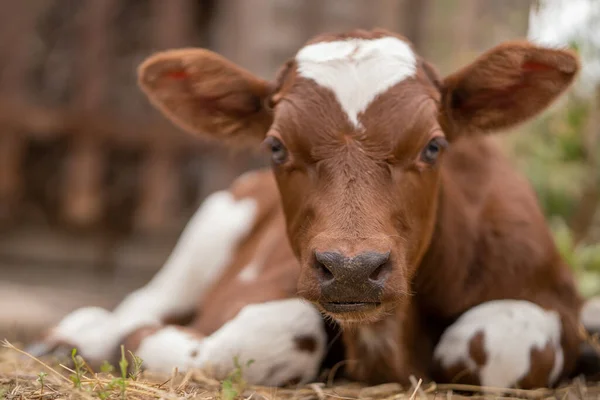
25	377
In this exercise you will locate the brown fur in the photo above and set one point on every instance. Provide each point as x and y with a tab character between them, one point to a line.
460	373
465	230
542	361
306	343
266	245
232	100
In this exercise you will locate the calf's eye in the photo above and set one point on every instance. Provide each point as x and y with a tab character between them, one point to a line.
278	151
433	149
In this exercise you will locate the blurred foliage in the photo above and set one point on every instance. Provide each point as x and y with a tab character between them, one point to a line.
552	156
551	152
584	259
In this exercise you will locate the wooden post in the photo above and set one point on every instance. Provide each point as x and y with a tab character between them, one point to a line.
389	14
83	192
227	30
16	24
415	22
204	22
241	34
171	23
11	153
464	25
160	184
312	18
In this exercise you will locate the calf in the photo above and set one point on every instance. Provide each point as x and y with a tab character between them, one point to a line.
406	224
227	290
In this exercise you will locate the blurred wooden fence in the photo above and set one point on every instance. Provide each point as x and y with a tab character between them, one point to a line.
95	185
74	164
76	159
89	130
83	155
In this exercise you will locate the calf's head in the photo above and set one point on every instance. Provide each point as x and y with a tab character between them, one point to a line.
357	125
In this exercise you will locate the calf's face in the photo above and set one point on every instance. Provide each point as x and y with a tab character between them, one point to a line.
357	125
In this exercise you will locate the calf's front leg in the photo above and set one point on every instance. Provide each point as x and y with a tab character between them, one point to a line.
504	343
276	343
201	254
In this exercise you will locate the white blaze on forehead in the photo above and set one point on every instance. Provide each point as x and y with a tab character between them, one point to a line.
357	70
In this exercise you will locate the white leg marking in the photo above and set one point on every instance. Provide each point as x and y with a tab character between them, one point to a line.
201	254
511	329
268	333
590	314
168	348
198	260
91	330
357	70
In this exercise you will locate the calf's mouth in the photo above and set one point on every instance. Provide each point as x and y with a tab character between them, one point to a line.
337	307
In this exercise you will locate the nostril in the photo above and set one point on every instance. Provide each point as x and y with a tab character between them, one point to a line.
328	264
381	272
323	272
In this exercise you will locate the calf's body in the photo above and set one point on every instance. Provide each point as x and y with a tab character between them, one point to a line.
388	208
490	243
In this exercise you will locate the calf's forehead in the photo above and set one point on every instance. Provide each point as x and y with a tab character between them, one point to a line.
356	70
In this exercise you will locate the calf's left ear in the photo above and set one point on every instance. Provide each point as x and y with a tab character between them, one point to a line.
504	87
207	95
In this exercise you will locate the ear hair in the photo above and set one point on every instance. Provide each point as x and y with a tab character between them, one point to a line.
283	82
432	74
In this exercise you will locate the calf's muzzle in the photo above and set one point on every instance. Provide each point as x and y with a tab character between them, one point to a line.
351	284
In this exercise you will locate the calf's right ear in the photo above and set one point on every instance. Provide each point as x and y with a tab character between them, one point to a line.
207	95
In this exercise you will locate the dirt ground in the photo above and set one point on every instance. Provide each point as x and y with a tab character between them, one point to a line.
24	377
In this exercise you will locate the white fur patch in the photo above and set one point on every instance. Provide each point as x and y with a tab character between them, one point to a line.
199	258
93	331
168	348
357	70
511	329
380	338
590	314
264	333
249	273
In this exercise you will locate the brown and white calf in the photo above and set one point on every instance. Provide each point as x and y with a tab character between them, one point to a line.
388	207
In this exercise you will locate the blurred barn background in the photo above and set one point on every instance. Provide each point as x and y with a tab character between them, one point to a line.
95	186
